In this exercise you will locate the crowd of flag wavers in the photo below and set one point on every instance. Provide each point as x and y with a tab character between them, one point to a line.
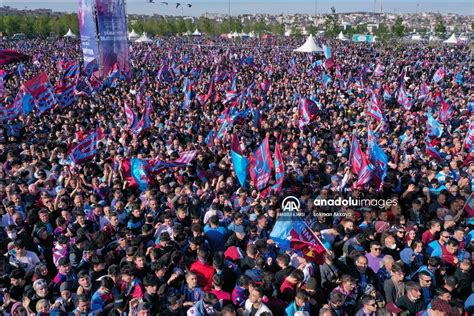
157	191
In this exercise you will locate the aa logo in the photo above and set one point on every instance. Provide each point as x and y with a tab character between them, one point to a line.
291	204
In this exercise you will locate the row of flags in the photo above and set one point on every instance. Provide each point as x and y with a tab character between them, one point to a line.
38	93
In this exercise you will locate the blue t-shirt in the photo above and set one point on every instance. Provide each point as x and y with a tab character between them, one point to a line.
216	237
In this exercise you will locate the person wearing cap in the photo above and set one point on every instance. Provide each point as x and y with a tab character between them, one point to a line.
174	307
103	299
66	302
411	301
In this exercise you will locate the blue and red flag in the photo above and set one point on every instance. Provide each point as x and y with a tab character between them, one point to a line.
424	90
156	166
433	152
42	91
325	80
378	158
130	115
356	155
265	86
403	99
138	170
11	112
469	140
366	172
433	127
261	165
239	161
279	169
72	71
209	140
305	112
375	107
446	111
327	52
86	149
144	123
458	75
65	93
257	119
379	70
292	232
439	75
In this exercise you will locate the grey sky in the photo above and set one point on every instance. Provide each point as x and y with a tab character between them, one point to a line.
200	7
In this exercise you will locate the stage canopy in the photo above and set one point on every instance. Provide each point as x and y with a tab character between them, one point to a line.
69	34
309	46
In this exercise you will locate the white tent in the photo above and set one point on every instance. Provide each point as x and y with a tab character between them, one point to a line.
144	39
69	34
342	37
188	33
133	35
197	33
309	46
252	34
416	37
433	38
451	40
234	34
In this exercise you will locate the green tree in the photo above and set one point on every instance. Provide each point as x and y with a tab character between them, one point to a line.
440	28
331	24
398	28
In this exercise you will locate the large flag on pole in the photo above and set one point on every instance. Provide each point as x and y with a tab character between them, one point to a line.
86	149
261	165
239	161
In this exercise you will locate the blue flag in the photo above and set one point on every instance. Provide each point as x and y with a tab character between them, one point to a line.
138	172
379	160
27	103
239	161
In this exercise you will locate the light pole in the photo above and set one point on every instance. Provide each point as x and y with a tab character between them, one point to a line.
228	13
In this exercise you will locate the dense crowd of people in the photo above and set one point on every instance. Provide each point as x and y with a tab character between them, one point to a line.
84	239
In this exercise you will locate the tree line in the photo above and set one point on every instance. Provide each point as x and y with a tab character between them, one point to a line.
44	25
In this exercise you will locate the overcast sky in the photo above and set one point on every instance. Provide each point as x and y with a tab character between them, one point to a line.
200	7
